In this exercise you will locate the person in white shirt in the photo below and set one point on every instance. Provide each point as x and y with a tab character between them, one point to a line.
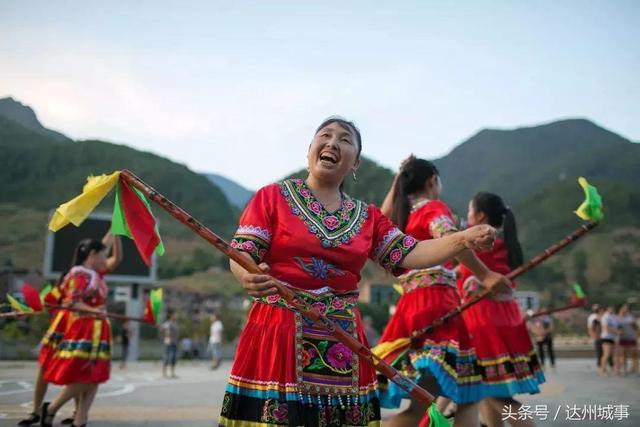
215	340
608	336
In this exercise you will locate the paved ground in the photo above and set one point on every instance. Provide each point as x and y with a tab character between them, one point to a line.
140	397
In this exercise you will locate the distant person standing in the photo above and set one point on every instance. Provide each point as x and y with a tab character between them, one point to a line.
542	329
628	339
125	334
170	333
608	336
594	328
215	340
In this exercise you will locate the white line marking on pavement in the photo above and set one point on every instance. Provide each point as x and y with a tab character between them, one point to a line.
9	393
127	389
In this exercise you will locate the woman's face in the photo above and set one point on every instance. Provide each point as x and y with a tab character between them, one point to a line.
97	260
473	217
333	153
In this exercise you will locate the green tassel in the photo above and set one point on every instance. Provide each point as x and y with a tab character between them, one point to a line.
436	419
578	290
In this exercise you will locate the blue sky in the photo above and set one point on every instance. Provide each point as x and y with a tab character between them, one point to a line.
238	87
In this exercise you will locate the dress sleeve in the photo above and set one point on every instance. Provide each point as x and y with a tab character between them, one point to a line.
440	220
254	232
390	245
74	288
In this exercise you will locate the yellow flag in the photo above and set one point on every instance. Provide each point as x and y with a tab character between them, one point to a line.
18	306
75	211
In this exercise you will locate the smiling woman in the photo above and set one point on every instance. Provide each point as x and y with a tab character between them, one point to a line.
314	238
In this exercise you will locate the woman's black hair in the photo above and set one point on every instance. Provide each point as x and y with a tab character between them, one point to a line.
499	215
346	125
411	180
81	252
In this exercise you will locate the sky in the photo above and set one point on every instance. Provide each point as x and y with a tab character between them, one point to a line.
238	88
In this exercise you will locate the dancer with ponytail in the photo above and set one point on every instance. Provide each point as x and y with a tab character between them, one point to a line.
506	355
444	361
57	327
82	359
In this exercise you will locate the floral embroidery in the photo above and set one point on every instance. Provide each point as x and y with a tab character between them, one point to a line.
354	415
332	228
339	356
252	239
226	402
394	246
441	225
307	356
319	268
417	279
274	411
256	232
325	302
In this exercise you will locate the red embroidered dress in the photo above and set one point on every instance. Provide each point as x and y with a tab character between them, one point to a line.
446	353
287	371
508	362
57	327
84	354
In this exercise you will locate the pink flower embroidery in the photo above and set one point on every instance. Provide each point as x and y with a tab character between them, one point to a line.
321	307
395	256
272	299
305	193
249	246
315	207
337	303
331	222
281	413
339	356
348	205
408	241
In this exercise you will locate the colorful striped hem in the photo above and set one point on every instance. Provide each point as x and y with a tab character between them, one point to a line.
469	391
274	390
226	422
511	387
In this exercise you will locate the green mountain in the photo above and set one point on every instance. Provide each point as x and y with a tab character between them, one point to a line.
235	193
25	116
38	172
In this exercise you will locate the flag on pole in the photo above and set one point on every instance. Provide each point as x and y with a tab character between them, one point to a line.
132	215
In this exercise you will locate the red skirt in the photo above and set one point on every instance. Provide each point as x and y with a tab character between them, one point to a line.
53	337
265	383
505	353
446	353
84	354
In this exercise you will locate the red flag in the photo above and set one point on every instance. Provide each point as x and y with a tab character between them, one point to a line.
32	297
148	313
141	223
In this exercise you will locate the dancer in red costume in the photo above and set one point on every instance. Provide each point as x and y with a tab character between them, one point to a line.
316	239
82	359
57	327
444	361
507	359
